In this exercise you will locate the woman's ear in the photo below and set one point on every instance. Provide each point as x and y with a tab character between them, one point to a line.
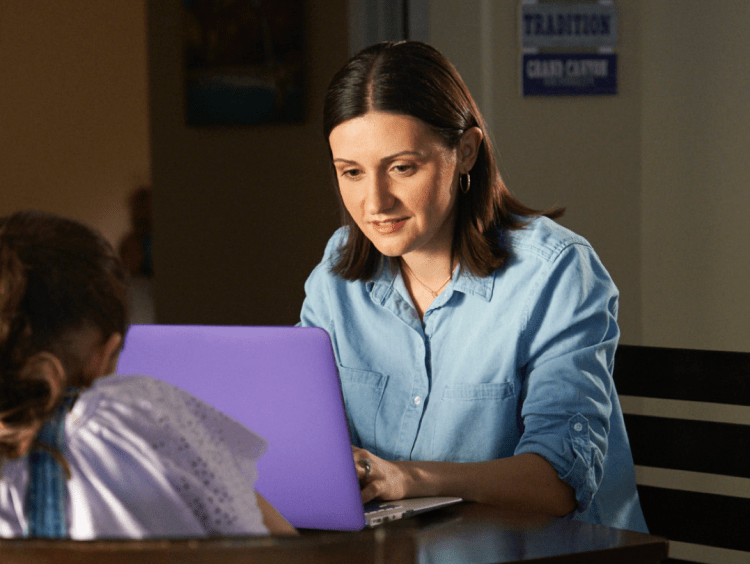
468	148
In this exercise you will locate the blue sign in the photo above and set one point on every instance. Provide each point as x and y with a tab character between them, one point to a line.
569	74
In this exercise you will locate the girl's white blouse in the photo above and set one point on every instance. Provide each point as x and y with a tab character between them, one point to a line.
148	460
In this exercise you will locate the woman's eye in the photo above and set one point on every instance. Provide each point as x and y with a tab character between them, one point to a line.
403	168
351	173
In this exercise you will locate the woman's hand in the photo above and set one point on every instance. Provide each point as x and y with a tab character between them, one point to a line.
385	480
523	482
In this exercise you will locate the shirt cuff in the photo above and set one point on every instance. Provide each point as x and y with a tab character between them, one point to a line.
580	464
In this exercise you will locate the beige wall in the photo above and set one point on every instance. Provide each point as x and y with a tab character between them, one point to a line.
73	108
695	172
654	177
241	215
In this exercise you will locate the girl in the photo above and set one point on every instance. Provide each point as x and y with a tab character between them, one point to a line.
87	455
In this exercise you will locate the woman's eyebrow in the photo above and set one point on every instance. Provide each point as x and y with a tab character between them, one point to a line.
384	159
402	154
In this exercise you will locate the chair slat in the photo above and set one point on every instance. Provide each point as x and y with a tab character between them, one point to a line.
696	446
697	518
683	374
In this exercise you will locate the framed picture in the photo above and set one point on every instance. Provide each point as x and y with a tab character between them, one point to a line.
243	62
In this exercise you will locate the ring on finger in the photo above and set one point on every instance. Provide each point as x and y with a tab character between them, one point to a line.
367	465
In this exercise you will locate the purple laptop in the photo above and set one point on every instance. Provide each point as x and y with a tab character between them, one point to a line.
280	382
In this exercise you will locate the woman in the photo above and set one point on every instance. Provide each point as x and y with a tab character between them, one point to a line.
475	337
86	455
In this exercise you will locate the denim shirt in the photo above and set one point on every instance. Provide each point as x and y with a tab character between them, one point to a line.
517	362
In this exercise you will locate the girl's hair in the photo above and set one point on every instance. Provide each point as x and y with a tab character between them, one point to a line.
414	79
57	277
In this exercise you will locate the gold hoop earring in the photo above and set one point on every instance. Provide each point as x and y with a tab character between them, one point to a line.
465	189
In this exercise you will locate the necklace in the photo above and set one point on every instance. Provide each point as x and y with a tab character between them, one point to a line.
434	293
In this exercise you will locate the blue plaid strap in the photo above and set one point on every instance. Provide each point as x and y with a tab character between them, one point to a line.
47	490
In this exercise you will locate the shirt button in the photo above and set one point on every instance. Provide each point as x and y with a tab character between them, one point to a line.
578	427
417	400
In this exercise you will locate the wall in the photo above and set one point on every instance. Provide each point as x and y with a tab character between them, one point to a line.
241	215
582	153
73	108
654	177
695	171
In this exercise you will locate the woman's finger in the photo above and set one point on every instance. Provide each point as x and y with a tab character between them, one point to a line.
369	492
364	468
363	462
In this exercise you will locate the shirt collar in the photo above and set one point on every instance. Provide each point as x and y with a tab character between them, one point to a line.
467	283
382	284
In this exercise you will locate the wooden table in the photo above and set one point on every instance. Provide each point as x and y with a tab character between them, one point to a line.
472	532
459	534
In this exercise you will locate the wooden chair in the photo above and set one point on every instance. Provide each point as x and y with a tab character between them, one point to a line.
687	414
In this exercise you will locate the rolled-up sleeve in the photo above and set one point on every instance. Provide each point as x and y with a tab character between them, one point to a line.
566	359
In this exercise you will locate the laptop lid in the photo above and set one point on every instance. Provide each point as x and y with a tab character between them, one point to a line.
280	382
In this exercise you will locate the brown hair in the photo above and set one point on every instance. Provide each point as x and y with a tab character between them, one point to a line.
412	78
57	276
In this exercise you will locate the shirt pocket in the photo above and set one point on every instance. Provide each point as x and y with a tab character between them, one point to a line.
476	422
363	394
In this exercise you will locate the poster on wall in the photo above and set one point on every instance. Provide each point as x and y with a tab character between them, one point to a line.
243	62
567	49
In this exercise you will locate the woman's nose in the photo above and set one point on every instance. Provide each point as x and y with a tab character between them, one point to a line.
378	198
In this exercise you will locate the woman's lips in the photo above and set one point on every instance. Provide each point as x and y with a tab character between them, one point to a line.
390	226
